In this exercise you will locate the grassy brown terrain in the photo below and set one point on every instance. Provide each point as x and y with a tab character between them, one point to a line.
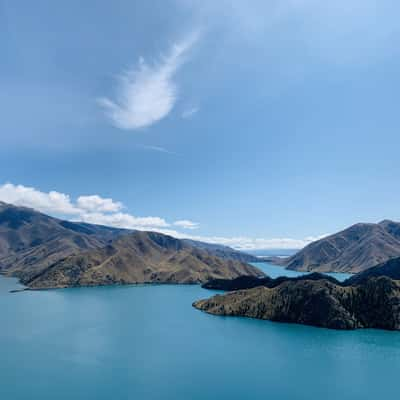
354	249
48	252
31	241
140	257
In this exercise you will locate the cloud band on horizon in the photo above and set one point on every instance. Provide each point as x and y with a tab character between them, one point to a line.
105	211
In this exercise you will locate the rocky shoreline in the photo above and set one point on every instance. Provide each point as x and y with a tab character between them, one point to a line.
322	303
367	300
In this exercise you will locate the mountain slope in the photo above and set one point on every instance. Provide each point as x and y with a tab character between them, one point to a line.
354	249
140	257
224	252
31	241
390	269
373	304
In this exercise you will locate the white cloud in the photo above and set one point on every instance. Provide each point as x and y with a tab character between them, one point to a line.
96	203
105	211
247	243
186	224
189	112
147	93
123	220
92	209
51	202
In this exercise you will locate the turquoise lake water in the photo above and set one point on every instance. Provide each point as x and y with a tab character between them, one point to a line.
147	342
274	272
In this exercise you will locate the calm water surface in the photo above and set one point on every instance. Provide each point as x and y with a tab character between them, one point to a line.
147	342
275	271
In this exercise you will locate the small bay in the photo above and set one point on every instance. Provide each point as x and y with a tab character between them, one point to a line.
147	342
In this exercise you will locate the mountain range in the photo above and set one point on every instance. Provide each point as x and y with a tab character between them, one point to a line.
140	257
222	251
48	252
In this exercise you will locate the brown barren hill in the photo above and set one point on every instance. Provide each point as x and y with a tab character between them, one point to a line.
354	249
140	257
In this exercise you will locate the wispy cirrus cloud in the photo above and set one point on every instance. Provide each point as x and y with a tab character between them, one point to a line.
148	92
343	32
158	149
106	211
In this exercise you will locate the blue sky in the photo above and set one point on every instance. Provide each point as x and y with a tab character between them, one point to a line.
254	123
